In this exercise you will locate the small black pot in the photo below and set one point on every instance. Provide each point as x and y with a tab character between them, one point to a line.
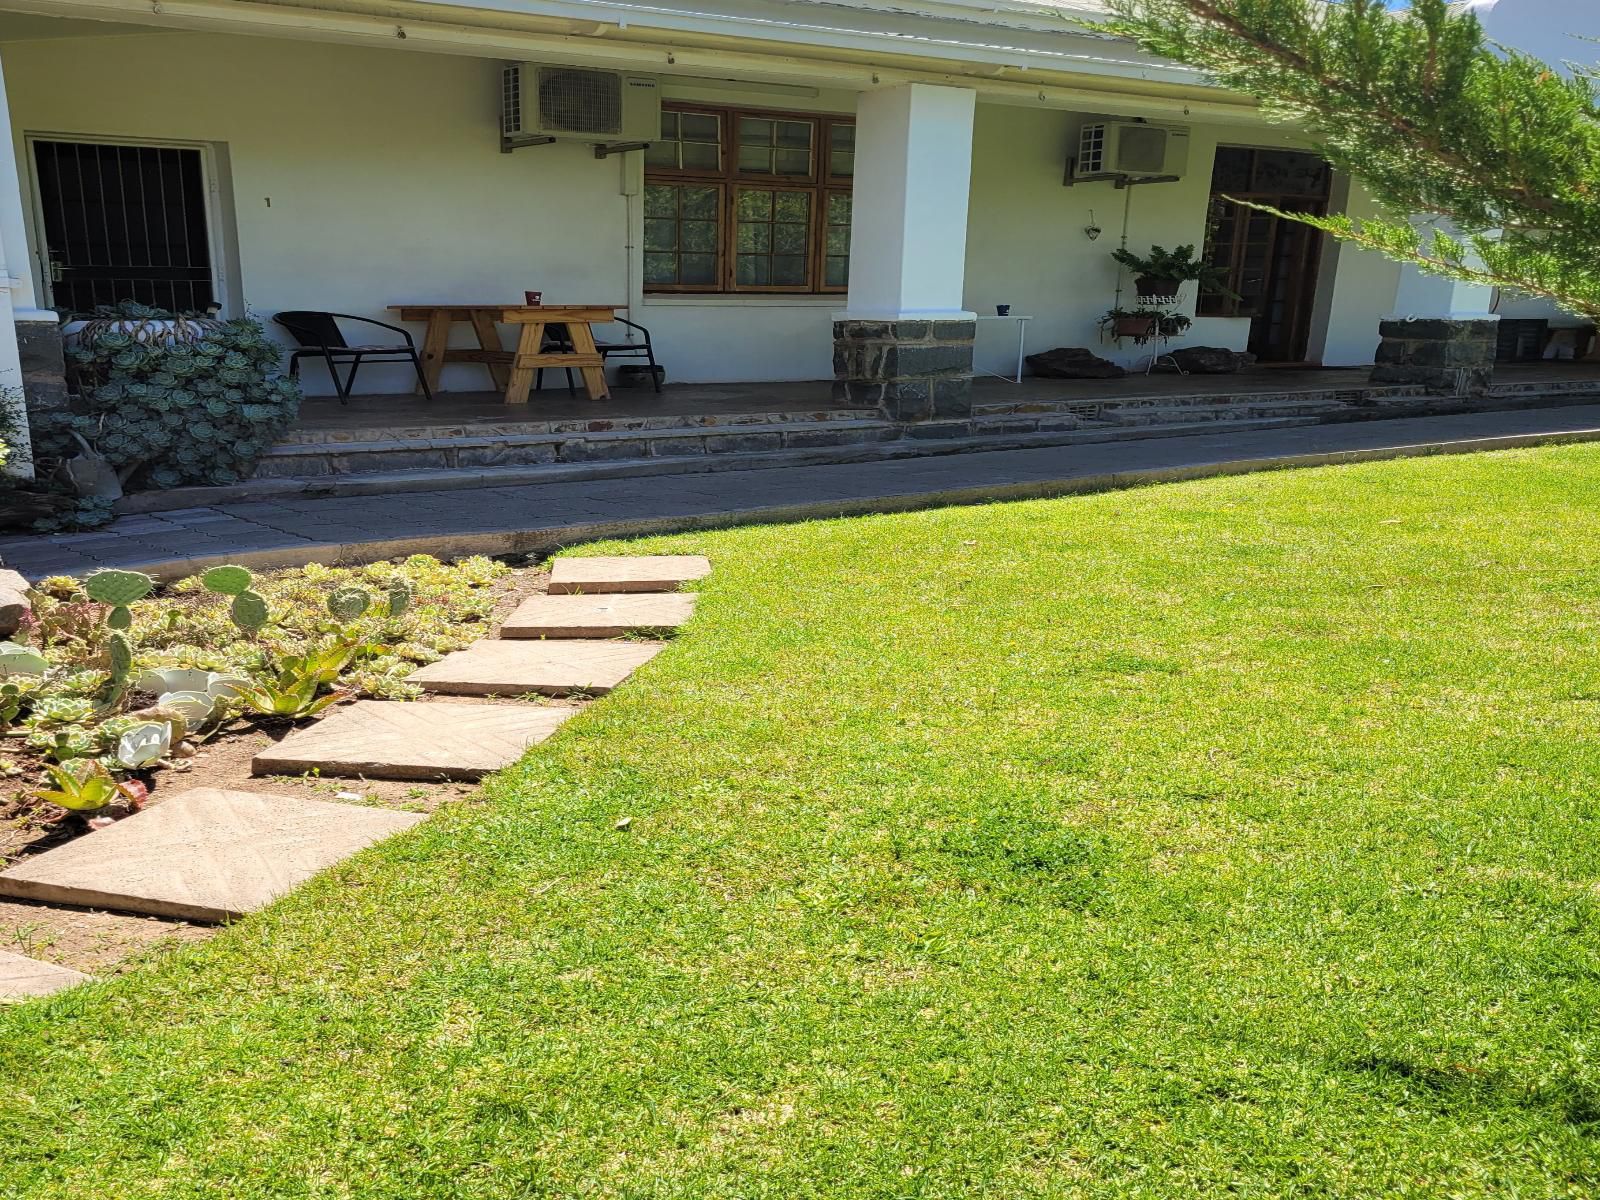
1149	285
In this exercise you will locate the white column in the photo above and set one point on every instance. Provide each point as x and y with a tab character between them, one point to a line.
908	227
17	300
1419	294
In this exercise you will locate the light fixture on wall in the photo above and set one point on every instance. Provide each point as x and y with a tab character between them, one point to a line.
1092	230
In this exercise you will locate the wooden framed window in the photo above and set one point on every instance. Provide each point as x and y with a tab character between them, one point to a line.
745	200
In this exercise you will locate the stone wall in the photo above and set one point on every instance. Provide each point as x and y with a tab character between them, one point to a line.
1451	357
912	370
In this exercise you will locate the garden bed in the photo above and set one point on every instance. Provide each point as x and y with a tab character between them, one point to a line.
67	718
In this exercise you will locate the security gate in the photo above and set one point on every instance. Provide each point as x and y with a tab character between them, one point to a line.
124	222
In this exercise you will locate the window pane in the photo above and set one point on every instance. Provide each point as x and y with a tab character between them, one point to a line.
660	233
697	235
698	268
793	206
700	156
660	268
754	132
754	239
755	160
699	203
755	206
701	127
753	270
788	269
661	154
836	272
794	133
793	162
841	151
660	200
789	239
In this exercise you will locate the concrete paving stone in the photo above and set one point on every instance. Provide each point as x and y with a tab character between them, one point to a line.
617	573
551	666
204	855
598	616
387	739
25	978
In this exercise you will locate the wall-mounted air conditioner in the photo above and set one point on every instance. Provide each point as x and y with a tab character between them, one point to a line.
1132	149
578	103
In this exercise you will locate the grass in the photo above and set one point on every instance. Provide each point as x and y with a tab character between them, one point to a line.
1226	838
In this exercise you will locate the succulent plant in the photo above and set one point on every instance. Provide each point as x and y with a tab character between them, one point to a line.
349	603
20	660
82	786
227	580
249	612
197	707
120	588
144	744
400	597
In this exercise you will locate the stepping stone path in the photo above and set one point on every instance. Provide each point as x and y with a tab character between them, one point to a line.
210	854
388	739
205	855
508	667
24	978
604	616
646	573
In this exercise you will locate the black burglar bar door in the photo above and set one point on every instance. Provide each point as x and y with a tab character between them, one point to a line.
124	223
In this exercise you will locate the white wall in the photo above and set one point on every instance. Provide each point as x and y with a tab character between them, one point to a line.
364	178
360	178
1026	245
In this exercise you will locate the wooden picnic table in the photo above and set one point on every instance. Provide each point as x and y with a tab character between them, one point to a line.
513	370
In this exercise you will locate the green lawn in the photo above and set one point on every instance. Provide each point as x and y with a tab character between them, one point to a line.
1234	838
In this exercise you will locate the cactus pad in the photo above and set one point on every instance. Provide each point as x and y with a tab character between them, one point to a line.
347	604
249	611
120	617
121	656
118	587
227	580
399	597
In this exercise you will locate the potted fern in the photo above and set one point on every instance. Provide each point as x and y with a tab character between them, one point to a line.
1159	274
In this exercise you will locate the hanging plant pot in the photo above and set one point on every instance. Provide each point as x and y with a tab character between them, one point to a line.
1140	329
1150	287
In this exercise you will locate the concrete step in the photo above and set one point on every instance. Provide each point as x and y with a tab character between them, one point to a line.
515	426
308	460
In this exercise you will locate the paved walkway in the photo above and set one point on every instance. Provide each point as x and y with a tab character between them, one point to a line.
533	518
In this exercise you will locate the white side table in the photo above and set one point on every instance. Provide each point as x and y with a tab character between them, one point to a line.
1022	337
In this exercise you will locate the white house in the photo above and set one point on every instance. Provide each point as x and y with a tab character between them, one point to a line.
857	172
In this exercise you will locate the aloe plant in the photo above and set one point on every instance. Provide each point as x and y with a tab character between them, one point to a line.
82	785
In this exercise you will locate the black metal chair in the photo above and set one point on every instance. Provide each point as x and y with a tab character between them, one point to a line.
319	336
558	339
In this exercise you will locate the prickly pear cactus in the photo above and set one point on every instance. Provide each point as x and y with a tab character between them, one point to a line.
120	617
400	596
121	657
249	611
227	580
349	603
120	588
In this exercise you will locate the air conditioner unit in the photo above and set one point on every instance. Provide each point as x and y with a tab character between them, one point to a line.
1131	148
539	101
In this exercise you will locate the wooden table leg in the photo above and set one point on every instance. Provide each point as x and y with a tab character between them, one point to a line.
489	339
520	380
434	342
594	378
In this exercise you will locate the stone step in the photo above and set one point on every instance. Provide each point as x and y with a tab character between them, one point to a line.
203	855
298	460
27	978
514	426
548	666
388	739
599	616
619	573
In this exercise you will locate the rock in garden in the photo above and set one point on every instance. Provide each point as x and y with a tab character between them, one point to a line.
1073	362
14	605
1207	360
